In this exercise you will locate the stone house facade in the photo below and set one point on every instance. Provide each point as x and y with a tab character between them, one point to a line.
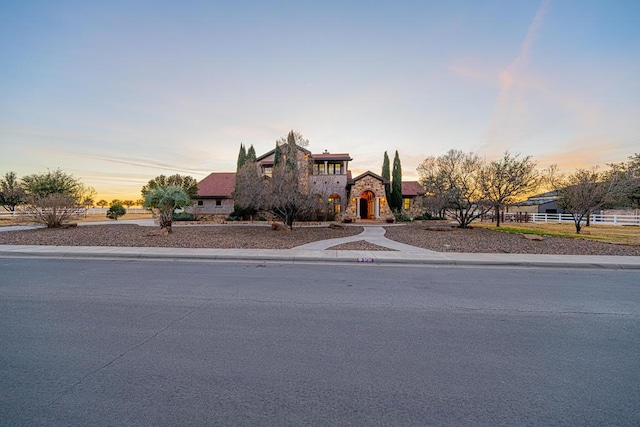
325	174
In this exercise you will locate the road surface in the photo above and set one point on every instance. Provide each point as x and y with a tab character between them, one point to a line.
104	342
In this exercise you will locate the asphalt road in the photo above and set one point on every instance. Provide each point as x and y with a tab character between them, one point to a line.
103	342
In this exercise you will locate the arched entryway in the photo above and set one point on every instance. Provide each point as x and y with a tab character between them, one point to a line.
367	205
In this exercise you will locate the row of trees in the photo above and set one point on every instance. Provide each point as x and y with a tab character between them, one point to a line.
465	187
102	203
55	197
13	191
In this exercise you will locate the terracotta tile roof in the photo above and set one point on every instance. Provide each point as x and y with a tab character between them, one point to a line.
218	185
412	188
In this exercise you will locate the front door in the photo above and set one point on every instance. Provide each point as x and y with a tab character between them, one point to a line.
364	205
367	205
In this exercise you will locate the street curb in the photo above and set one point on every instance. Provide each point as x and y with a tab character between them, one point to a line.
327	257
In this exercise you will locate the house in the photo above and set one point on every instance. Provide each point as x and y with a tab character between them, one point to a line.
412	198
215	194
326	174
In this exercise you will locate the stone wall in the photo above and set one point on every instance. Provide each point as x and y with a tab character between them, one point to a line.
416	207
377	188
209	207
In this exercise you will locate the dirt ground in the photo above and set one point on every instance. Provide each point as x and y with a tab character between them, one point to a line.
263	237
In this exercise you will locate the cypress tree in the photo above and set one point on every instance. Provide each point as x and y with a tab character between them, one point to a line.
292	151
242	157
277	155
251	154
396	184
386	174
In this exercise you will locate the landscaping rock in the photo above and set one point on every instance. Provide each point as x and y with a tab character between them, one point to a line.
534	237
440	227
161	232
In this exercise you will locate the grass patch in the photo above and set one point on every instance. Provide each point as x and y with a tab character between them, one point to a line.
626	235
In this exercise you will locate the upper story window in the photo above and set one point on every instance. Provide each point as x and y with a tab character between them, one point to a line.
334	168
267	170
322	168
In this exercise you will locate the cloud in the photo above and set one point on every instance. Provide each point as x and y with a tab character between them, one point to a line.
503	126
465	71
141	163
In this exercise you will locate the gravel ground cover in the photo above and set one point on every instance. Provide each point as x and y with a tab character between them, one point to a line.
482	240
221	237
260	237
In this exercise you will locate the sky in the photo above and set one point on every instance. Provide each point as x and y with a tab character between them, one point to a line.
118	92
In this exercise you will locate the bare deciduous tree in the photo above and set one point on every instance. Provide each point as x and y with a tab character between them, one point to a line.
630	170
299	140
250	190
587	190
456	177
54	197
284	194
507	179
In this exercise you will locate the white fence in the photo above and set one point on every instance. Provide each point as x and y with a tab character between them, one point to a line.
594	219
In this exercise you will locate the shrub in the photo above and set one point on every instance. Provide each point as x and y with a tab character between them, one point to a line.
401	216
116	210
183	216
428	216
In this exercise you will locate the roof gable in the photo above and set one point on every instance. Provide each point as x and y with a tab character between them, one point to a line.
217	184
269	155
371	174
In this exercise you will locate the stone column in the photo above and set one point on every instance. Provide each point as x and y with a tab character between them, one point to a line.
326	167
357	207
344	167
377	208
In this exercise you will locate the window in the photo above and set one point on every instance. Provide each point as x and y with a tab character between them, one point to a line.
318	169
334	168
200	202
218	202
267	170
406	203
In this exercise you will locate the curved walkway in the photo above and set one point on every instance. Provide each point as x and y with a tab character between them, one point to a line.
371	234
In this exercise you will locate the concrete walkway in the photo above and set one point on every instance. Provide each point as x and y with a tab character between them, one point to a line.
371	234
316	252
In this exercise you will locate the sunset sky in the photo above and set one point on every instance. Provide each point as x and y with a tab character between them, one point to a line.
118	92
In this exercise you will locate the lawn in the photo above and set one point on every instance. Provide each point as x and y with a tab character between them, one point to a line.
628	235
